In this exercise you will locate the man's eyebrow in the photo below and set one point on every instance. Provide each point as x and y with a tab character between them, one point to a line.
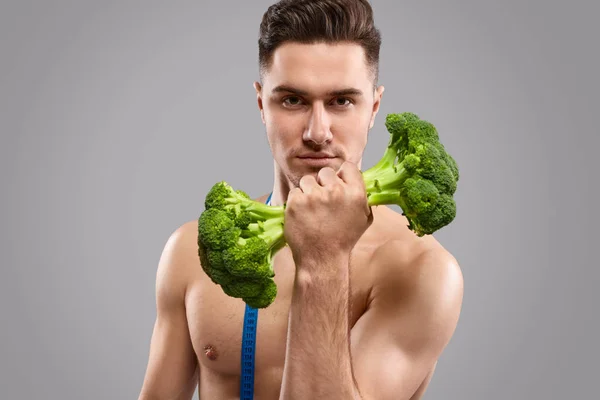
346	92
341	92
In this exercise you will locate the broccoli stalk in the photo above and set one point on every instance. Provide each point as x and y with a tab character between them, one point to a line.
238	237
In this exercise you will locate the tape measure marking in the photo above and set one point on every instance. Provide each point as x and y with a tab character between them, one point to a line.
249	348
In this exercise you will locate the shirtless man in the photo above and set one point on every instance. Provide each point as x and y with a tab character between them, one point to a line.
364	306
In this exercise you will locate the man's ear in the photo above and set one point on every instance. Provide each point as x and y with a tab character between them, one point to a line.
377	102
258	89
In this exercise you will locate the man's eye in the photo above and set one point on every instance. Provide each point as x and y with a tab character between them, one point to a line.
343	101
292	101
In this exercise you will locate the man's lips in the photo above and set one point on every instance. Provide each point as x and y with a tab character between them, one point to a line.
316	155
316	160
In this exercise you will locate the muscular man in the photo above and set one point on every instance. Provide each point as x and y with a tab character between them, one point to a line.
364	306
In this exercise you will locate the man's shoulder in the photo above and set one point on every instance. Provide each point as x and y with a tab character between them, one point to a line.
396	242
411	264
179	262
423	284
183	241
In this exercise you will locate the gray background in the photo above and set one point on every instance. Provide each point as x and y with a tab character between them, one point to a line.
117	116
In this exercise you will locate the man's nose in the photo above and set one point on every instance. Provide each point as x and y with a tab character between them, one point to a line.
318	130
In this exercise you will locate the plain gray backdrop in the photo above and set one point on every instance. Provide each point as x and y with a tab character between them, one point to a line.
117	116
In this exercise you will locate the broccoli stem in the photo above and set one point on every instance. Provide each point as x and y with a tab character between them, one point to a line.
270	230
274	237
383	180
385	198
384	163
260	211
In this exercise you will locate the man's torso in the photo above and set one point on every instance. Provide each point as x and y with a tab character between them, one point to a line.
215	320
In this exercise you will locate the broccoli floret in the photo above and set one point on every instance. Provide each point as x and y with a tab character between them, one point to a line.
212	264
415	173
238	236
244	287
241	235
252	255
217	230
266	296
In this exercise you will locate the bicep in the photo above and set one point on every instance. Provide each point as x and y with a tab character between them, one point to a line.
172	370
396	343
172	367
388	363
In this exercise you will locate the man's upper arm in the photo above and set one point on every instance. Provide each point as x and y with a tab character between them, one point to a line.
172	366
410	321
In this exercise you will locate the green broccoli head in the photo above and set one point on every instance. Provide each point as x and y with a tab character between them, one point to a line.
440	215
218	196
217	230
452	164
219	273
415	173
418	130
265	298
211	262
237	239
427	160
203	256
420	196
257	290
252	258
244	287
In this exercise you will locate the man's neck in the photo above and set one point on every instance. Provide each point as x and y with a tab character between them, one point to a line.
281	188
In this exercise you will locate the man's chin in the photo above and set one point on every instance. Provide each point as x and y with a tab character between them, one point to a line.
299	168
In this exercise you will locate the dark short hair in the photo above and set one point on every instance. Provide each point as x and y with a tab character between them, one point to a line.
319	21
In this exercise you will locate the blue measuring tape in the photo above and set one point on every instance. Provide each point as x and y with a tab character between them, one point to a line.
248	348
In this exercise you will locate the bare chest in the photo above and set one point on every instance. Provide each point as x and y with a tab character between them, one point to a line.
216	323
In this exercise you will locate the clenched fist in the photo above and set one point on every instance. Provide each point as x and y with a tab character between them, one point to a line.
325	217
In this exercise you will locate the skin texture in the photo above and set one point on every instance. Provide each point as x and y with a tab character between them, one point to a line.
364	307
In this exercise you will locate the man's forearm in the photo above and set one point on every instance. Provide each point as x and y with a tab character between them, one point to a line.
318	361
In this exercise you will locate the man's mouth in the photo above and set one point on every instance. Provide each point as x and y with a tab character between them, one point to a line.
317	159
316	155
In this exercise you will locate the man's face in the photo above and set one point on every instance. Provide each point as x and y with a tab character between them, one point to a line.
317	100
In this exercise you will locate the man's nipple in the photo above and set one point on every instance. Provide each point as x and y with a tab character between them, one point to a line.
211	352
